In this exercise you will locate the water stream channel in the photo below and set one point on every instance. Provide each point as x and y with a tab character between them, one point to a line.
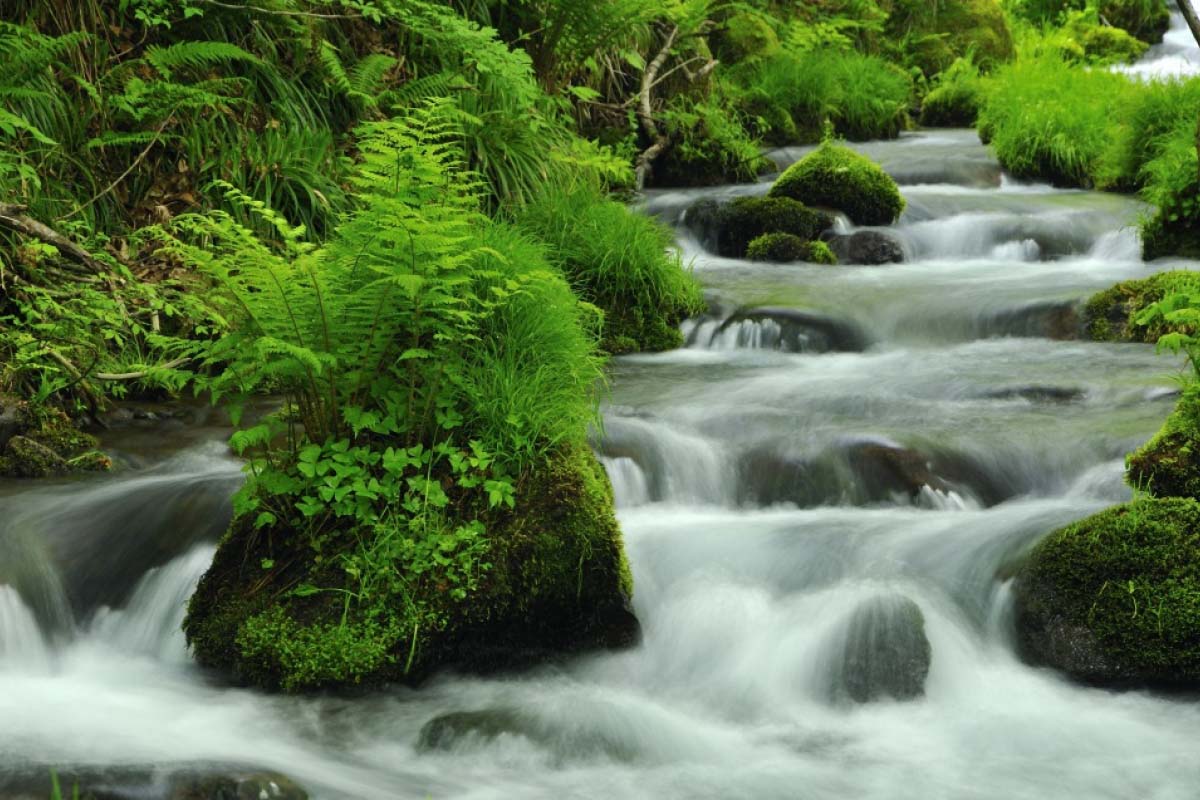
791	484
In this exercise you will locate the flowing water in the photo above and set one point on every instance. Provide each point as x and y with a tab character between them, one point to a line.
824	496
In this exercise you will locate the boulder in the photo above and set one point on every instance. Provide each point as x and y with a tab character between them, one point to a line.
869	248
804	331
883	654
557	583
1110	315
729	229
941	32
834	176
448	731
1114	600
1148	20
27	458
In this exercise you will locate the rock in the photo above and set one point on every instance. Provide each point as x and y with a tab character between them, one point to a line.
884	653
834	176
235	786
1113	600
447	731
26	458
884	469
1038	394
1104	44
783	248
803	331
869	248
13	418
1109	316
170	782
558	583
1146	21
1169	464
744	36
728	229
1052	320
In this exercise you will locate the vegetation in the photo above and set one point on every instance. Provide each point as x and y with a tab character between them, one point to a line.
955	99
836	177
1131	310
1169	464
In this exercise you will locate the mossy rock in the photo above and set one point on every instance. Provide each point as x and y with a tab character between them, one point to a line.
1114	600
835	176
1108	316
1169	464
783	248
1162	237
1103	44
633	328
559	583
943	30
744	35
1147	20
39	442
747	218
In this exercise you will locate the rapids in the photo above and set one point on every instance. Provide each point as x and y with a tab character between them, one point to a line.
791	510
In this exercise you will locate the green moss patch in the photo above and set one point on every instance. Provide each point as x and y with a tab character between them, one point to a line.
943	30
38	442
834	176
1108	316
1115	599
784	247
1148	20
747	218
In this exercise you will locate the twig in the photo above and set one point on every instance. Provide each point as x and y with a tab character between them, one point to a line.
273	13
138	375
14	218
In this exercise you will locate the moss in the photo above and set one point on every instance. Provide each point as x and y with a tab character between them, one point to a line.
1162	237
1108	315
744	35
636	329
1169	464
1115	599
943	30
837	177
1103	44
559	582
747	218
784	247
1148	20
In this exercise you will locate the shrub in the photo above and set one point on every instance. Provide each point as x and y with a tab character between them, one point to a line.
1103	44
619	261
1171	185
709	146
790	96
834	176
933	34
955	99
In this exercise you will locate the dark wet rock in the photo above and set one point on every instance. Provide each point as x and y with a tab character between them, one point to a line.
804	331
869	248
727	229
448	731
1038	394
150	783
459	730
12	418
885	653
1050	320
1113	600
859	472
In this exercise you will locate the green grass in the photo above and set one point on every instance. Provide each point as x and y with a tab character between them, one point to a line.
618	260
790	96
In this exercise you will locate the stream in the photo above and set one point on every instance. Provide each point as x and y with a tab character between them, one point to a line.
792	485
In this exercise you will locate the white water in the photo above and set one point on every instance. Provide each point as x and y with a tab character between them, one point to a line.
760	512
1175	57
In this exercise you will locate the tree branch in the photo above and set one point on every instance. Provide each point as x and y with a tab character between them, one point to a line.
14	218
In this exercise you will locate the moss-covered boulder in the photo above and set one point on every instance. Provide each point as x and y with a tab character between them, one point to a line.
744	35
1104	44
558	582
1148	20
835	176
728	229
940	31
1114	600
784	247
38	442
951	106
1169	464
1109	316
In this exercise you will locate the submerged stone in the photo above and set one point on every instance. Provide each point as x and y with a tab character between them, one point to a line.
885	654
802	331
